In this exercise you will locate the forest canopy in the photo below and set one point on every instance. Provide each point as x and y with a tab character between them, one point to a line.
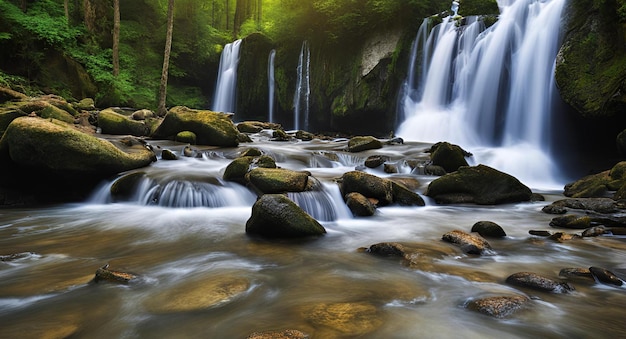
42	42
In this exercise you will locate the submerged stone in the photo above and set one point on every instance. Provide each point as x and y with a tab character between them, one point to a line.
537	282
105	274
605	276
345	318
499	306
284	334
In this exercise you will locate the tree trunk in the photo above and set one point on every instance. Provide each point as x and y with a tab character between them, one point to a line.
116	37
90	15
66	7
161	111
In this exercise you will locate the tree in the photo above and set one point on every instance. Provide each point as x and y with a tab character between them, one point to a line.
161	111
116	37
66	7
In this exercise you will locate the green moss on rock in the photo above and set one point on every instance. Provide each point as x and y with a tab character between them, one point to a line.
211	128
114	123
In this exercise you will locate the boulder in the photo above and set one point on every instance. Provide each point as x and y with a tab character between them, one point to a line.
450	157
488	229
142	114
248	127
469	243
605	276
275	216
112	122
238	168
304	135
571	222
600	184
51	156
86	104
404	196
277	180
374	161
186	137
7	115
368	185
211	128
536	282
167	154
360	205
480	184
7	94
363	143
499	306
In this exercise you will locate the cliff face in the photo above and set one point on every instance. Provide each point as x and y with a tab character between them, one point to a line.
591	64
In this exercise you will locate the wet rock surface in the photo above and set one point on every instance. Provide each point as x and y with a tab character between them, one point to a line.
275	216
498	306
537	282
469	243
488	229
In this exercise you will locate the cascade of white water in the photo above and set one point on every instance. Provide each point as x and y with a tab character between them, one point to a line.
303	90
226	87
271	84
491	88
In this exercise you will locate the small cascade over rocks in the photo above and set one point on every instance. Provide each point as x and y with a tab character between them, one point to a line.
491	89
226	87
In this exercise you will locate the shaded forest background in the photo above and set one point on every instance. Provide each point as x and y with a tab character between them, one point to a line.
65	47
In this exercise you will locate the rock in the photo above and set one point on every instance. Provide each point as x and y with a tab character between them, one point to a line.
498	307
49	156
187	137
105	274
191	153
575	272
434	170
277	180
275	216
374	161
595	231
7	115
251	152
142	114
368	185
86	104
600	205
540	233
248	127
16	256
390	168
280	135
620	142
284	334
238	168
488	229
562	236
537	282
359	144
114	123
605	276
360	205
413	254
211	128
7	94
168	155
345	319
404	196
124	187
450	157
469	243
598	185
480	184
304	135
571	221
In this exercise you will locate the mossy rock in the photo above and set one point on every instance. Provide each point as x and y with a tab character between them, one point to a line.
359	205
278	180
405	197
125	186
86	104
53	112
186	137
275	216
448	156
7	94
211	128
247	127
363	143
368	185
114	123
480	184
236	171
7	115
591	186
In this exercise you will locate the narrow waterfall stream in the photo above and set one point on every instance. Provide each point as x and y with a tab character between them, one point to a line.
303	91
271	84
491	90
226	87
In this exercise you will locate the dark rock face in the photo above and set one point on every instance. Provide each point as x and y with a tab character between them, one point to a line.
605	276
571	221
488	229
448	156
498	307
469	243
480	184
360	205
275	216
211	128
537	282
600	205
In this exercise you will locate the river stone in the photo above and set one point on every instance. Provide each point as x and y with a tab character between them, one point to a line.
125	186
404	196
251	152
211	128
374	161
434	170
600	205
597	185
238	168
540	233
488	229
212	291
280	135
277	180
114	123
247	127
345	318
359	205
498	307
167	154
480	184
571	222
274	215
105	274
537	282
359	144
605	276
450	157
418	255
570	272
304	135
284	334
368	185
595	231
186	137
469	243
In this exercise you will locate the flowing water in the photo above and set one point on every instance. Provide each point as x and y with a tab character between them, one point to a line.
226	87
490	89
201	276
271	84
303	89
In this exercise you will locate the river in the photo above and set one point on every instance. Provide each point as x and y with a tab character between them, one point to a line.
201	276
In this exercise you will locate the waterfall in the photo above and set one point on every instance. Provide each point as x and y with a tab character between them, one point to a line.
303	90
271	84
491	89
226	87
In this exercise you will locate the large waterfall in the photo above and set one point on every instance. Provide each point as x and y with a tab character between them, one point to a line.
491	90
226	87
303	89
